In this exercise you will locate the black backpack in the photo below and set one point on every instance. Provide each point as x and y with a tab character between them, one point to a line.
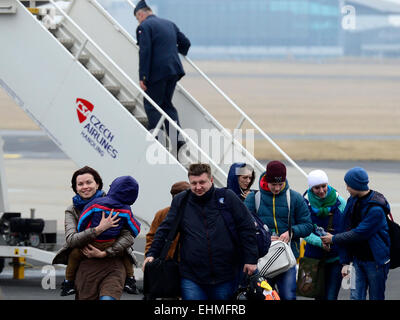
394	230
262	232
394	234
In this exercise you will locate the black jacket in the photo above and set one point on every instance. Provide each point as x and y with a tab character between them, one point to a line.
208	254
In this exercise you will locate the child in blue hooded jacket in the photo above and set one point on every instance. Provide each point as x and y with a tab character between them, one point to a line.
122	194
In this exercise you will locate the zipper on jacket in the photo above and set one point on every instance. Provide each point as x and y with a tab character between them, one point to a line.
208	244
273	212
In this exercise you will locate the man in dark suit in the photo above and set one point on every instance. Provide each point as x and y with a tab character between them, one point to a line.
160	68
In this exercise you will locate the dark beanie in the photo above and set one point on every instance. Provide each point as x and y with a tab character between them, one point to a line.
179	187
140	5
276	172
357	179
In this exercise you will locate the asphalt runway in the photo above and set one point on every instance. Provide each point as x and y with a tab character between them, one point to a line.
38	176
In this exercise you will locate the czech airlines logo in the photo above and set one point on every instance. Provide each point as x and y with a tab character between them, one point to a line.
84	108
96	132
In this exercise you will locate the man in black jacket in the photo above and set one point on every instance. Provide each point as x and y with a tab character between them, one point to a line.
209	259
160	68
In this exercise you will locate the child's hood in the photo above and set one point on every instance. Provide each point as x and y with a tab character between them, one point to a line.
124	189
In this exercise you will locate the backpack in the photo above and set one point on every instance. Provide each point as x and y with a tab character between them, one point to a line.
394	235
262	232
394	230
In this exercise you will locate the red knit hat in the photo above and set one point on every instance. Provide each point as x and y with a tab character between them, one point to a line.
276	172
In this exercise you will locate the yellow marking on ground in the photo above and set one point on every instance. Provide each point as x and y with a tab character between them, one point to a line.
12	156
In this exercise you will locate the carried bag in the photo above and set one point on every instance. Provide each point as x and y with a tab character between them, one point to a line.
311	278
280	257
311	273
256	288
161	277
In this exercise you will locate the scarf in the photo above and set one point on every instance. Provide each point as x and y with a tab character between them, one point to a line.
322	207
80	203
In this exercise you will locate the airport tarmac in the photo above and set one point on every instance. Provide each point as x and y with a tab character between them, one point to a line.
39	178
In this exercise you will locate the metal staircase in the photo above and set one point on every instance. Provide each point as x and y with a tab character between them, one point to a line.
81	87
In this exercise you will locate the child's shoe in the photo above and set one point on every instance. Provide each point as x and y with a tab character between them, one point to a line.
67	288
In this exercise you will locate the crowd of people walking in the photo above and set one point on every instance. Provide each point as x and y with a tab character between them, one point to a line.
216	241
100	230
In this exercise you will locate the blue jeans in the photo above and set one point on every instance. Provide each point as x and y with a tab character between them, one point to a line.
194	291
369	276
286	284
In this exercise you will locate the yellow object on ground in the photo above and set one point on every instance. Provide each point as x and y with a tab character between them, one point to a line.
19	268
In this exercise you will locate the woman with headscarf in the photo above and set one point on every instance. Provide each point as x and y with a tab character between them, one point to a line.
241	177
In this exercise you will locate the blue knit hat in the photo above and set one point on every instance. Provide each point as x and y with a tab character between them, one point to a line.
357	179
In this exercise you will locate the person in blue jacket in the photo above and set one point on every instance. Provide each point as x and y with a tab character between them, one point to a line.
160	68
241	177
364	239
326	207
273	211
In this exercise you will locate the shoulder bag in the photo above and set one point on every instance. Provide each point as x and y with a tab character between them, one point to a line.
311	274
161	276
280	257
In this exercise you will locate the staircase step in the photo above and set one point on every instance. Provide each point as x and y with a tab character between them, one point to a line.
53	31
84	59
67	42
143	120
114	90
98	74
129	105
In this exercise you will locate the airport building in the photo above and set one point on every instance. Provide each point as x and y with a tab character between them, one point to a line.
279	28
377	31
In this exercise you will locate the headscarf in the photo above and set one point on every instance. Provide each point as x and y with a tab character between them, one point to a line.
235	171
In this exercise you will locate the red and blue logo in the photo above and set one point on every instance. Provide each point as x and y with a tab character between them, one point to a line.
84	108
95	132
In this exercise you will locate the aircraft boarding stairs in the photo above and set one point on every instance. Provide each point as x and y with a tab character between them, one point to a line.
74	71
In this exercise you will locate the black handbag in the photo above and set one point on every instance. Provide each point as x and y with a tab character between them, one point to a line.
161	277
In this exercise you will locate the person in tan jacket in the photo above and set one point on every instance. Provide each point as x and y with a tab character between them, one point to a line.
87	185
160	216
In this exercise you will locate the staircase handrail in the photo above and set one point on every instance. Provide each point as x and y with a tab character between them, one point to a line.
244	115
197	104
171	122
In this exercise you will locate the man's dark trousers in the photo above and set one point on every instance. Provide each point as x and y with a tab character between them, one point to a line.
161	92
